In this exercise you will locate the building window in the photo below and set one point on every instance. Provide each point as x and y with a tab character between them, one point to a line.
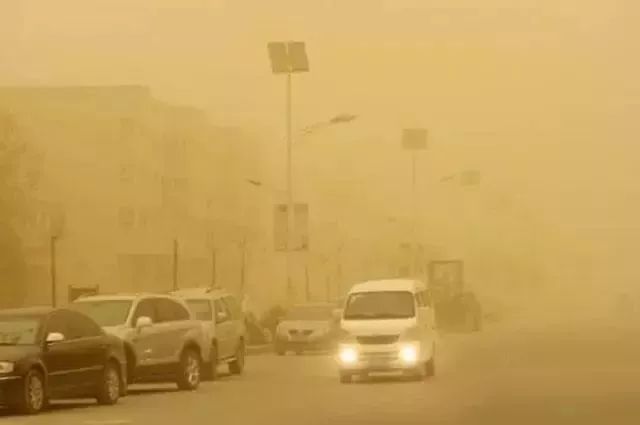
126	218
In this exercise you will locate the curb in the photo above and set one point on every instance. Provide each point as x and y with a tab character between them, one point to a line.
259	349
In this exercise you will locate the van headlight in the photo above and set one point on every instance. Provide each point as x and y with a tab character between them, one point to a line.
348	355
409	353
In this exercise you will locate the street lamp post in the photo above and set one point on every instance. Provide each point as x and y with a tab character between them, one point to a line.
414	140
288	58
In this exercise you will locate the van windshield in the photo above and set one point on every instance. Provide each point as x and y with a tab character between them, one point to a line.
380	305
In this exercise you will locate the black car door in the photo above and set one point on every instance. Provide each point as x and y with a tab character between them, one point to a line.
74	363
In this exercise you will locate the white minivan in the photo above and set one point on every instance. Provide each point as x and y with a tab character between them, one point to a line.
387	326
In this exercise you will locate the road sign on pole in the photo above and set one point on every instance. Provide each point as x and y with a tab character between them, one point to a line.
414	138
288	57
301	227
300	231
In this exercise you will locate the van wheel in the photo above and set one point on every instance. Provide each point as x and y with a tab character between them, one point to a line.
211	369
189	373
236	366
33	398
110	387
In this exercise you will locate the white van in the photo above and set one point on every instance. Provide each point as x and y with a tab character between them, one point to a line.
387	326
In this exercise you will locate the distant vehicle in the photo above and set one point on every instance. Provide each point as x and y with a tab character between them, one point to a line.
224	328
306	327
163	341
387	325
455	307
48	353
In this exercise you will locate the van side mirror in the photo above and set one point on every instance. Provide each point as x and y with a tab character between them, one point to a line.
221	316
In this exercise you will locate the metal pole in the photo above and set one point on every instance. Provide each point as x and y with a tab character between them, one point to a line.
54	289
414	209
213	268
289	193
308	284
175	264
243	264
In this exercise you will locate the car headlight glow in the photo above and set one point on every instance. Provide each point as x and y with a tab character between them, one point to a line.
6	367
409	354
348	355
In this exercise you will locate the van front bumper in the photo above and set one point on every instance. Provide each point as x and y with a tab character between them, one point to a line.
380	358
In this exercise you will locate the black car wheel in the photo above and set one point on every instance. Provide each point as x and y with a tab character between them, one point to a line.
34	395
189	373
111	385
236	366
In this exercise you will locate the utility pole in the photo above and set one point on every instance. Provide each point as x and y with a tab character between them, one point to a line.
414	140
175	264
243	264
290	217
54	290
288	58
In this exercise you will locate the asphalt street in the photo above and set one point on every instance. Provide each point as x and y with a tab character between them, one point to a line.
584	373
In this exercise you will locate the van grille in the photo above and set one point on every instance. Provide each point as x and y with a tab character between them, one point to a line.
377	339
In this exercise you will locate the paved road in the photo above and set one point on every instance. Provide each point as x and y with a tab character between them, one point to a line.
545	375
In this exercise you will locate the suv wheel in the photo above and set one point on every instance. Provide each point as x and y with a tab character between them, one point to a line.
110	386
237	365
33	398
189	374
211	369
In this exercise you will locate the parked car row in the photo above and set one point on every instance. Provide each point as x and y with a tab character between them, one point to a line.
98	345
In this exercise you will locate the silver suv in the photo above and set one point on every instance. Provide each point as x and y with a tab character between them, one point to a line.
163	341
223	323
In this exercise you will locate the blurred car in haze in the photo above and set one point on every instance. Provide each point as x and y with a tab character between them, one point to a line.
306	327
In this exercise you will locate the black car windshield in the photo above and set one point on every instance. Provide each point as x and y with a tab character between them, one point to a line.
380	305
19	330
105	312
313	313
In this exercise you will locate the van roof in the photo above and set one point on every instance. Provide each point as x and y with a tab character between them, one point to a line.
410	285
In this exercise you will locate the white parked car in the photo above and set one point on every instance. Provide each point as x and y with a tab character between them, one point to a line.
222	321
387	325
163	340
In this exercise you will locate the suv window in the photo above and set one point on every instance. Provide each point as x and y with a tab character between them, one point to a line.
171	311
81	326
146	308
201	309
221	307
233	307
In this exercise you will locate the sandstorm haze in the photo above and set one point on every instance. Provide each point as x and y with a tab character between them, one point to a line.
541	97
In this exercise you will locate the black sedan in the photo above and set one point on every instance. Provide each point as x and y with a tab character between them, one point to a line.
48	353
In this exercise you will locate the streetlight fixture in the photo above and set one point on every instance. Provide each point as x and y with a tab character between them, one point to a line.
288	58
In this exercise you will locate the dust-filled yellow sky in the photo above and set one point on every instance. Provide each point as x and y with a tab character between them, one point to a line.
554	80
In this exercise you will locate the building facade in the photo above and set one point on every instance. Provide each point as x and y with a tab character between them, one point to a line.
123	185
